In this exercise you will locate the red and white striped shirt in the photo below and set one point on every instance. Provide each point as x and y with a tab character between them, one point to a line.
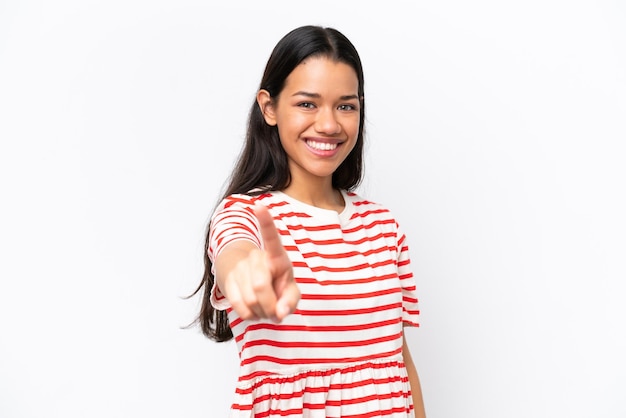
340	353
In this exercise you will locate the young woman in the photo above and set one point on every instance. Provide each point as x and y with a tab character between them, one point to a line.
312	280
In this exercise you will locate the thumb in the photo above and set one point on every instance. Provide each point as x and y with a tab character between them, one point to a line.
288	300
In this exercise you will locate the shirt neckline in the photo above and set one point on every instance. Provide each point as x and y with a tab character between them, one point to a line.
344	215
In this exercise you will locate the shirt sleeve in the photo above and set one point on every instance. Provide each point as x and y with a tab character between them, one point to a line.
232	220
410	306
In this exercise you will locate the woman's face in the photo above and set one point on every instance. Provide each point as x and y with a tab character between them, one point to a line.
317	115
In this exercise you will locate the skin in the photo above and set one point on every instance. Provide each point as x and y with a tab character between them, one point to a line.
317	116
414	380
258	283
319	104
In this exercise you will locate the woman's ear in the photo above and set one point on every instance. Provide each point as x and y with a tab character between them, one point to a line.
266	104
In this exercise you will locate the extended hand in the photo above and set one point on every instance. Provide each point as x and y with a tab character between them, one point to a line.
261	285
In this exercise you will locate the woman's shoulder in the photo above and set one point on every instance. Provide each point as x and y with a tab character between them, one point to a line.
372	212
364	204
248	199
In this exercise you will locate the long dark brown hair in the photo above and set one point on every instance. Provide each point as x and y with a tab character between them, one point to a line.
263	162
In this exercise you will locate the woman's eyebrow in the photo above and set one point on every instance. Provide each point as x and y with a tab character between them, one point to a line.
307	94
317	95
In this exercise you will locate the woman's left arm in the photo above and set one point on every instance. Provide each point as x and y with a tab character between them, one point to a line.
416	388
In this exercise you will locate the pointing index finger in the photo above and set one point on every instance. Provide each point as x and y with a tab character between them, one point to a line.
271	239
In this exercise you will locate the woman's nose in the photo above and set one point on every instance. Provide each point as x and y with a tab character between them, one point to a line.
327	122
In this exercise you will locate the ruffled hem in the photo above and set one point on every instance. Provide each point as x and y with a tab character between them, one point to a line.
367	389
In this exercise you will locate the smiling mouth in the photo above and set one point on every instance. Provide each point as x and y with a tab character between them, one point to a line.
321	146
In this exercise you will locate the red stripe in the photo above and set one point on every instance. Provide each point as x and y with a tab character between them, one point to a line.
340	402
361	202
332	387
313	280
231	200
352	296
241	231
341	255
357	267
273	378
403	263
279	360
273	412
369	225
313	228
401	241
327	227
235	213
340	240
321	344
291	215
275	205
321	328
371	212
348	311
367	398
236	322
383	413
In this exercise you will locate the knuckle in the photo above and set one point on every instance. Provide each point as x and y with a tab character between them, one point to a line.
249	299
247	315
259	283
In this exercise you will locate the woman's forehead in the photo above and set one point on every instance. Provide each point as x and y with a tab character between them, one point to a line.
316	75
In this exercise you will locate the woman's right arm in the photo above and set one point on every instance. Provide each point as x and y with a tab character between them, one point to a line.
258	283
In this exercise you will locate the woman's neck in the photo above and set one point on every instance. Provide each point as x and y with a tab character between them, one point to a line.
322	197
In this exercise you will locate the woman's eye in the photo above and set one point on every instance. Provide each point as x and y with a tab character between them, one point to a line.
306	105
347	107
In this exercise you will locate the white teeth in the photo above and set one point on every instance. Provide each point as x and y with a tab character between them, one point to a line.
322	146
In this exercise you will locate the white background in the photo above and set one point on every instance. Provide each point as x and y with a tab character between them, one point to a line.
496	134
